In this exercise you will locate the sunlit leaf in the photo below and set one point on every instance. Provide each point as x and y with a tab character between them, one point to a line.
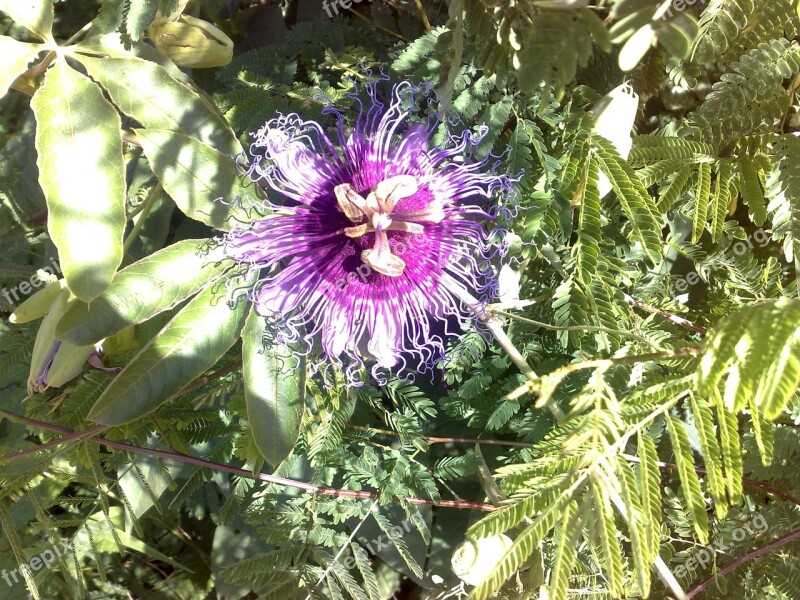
34	15
82	174
16	56
142	290
203	182
190	344
274	388
144	91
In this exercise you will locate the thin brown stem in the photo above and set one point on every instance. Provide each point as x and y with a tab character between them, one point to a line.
672	318
378	27
443	440
425	22
787	539
282	481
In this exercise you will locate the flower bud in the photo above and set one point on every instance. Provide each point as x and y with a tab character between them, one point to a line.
53	362
475	559
38	304
191	42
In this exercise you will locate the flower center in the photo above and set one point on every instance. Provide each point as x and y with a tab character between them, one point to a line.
375	213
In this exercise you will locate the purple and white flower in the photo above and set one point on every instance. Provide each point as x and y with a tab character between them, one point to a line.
376	237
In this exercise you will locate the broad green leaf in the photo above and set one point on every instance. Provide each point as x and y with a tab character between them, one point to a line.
82	174
16	56
142	290
203	182
190	344
274	388
113	46
34	15
144	91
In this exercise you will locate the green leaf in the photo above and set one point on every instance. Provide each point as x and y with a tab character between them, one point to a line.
203	183
639	551
524	544
752	191
140	15
678	186
704	424
690	483
721	199
589	223
274	389
142	290
567	536
82	174
609	542
145	91
701	199
650	489
634	199
759	350
34	15
16	56
731	451
190	344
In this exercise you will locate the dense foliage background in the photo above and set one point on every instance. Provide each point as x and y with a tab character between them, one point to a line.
650	447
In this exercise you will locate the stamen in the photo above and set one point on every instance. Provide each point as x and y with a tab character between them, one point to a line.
380	257
377	209
357	231
390	191
352	204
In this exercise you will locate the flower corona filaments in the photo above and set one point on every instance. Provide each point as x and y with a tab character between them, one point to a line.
376	200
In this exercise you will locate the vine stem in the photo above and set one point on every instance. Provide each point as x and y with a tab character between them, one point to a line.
795	535
443	440
378	27
598	329
200	462
137	227
672	318
425	22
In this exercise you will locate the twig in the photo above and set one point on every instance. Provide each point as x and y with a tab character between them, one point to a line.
378	27
282	481
596	328
677	320
444	440
745	558
425	22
